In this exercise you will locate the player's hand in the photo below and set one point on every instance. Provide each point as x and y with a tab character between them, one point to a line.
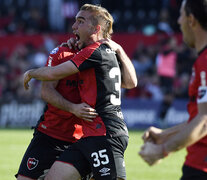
151	153
85	112
26	79
153	134
71	43
112	44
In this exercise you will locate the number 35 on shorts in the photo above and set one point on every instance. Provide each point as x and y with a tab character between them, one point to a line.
100	157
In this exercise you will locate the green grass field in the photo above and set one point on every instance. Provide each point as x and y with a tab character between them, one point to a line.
13	144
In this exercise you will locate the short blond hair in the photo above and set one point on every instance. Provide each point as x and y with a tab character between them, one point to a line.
100	16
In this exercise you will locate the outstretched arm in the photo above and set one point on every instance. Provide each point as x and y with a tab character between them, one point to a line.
50	73
129	77
159	136
192	132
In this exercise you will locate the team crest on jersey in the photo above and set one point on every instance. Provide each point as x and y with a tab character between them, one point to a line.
54	51
32	163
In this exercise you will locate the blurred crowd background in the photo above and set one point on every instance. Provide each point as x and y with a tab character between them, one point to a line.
163	69
39	16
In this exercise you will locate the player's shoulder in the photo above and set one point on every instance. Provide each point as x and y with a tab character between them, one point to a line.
59	55
62	52
91	47
99	47
89	51
59	50
201	60
202	54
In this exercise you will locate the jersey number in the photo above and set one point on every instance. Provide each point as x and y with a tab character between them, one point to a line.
100	158
115	71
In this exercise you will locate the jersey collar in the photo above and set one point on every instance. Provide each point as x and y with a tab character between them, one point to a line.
200	52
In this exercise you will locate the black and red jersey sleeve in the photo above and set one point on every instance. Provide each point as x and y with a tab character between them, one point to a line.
88	57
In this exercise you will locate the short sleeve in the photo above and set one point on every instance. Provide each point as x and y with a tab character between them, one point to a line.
87	58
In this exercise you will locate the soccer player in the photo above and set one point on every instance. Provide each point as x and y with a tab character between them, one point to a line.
191	134
47	131
100	69
59	126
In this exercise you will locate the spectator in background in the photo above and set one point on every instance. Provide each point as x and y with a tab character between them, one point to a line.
69	11
55	17
49	43
181	86
34	16
142	62
153	87
40	57
5	21
17	64
16	14
35	22
164	22
166	70
186	58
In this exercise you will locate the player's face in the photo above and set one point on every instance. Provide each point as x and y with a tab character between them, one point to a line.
83	29
185	27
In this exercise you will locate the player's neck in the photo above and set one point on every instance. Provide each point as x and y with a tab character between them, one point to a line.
94	38
201	40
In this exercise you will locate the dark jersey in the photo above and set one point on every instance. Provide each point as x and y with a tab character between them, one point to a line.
101	87
57	123
197	153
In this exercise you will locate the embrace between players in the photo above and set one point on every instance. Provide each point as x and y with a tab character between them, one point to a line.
82	131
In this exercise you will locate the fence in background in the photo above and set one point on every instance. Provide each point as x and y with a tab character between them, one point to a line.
138	113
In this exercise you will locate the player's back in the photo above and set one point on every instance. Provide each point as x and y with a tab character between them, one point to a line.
101	87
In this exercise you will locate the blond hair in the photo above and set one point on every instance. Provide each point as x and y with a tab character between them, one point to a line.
100	16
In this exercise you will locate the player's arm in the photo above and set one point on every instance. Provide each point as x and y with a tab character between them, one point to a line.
50	95
50	73
197	127
129	77
194	131
159	136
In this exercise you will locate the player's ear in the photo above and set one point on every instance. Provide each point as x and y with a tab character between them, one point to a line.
192	20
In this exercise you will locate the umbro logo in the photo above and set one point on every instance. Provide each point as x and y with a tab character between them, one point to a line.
104	171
